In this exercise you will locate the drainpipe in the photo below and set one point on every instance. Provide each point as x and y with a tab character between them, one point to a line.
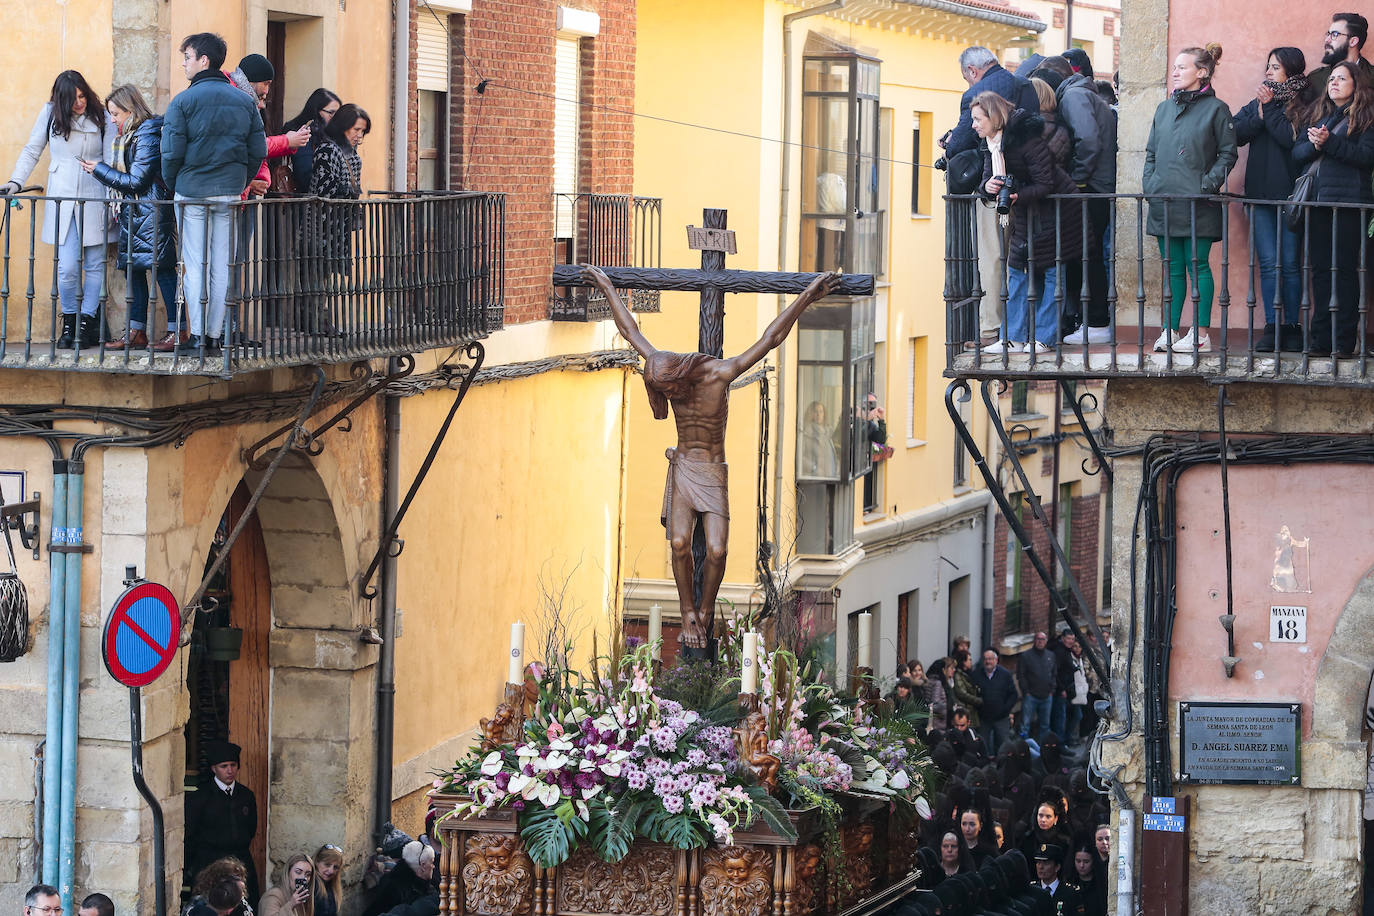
400	98
784	201
71	680
57	604
1125	859
386	588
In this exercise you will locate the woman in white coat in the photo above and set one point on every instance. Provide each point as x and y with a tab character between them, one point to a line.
73	126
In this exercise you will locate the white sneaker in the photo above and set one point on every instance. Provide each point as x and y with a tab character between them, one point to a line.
1002	346
1092	335
1165	341
1036	346
1187	342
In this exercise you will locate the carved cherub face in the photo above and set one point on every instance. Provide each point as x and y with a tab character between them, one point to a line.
808	861
737	869
498	857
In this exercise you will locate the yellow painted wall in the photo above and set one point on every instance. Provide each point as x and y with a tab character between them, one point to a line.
526	487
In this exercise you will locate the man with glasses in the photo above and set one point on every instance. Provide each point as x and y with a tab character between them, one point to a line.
1345	40
42	900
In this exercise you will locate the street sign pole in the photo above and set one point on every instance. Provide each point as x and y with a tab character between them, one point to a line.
138	645
136	747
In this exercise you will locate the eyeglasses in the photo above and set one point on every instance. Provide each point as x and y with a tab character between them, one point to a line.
47	910
1334	34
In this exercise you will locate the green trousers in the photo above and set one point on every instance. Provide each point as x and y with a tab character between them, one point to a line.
1184	263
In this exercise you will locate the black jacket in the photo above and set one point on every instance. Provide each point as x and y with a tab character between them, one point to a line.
1030	160
1093	125
219	825
1271	169
999	692
1008	85
141	180
398	887
1346	161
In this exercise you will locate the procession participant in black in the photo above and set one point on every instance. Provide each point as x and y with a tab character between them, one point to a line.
1066	898
222	816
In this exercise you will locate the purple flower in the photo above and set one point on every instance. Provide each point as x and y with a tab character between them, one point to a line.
685	782
670	707
676	723
518	804
637	779
502	780
696	757
673	804
584	780
655	766
527	770
664	786
633	642
679	768
703	794
665	739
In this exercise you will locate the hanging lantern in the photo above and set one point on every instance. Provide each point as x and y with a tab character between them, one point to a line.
14	607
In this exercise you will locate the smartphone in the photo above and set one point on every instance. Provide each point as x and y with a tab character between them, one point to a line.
301	882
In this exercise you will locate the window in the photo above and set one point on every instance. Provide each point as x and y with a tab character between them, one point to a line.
922	131
842	218
1013	623
834	375
1019	392
909	618
1064	531
432	81
566	126
960	452
916	369
1068	394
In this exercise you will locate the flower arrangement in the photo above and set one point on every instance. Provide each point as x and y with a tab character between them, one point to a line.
611	757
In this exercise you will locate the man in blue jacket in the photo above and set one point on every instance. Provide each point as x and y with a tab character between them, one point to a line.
212	142
1000	697
983	73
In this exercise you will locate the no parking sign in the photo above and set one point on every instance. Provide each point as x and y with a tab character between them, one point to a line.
141	634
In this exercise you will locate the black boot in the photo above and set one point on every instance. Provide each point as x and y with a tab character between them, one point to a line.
1266	341
68	338
1290	337
89	335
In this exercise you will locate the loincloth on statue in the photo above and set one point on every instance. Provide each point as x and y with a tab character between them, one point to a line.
699	484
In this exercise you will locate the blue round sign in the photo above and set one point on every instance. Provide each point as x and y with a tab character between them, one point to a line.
141	633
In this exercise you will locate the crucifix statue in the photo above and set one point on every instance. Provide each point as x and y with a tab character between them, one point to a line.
697	387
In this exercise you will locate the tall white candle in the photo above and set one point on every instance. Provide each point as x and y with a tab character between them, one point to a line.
656	629
865	650
749	666
516	673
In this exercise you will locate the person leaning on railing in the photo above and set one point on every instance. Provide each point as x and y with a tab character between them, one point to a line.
74	128
1015	148
1269	124
1192	147
1339	146
336	174
147	225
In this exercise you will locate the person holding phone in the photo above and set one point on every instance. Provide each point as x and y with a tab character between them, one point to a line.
294	893
73	127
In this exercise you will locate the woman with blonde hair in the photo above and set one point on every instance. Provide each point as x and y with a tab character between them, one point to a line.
147	224
293	895
1192	147
328	887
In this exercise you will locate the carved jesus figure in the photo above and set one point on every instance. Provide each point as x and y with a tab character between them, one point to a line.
697	386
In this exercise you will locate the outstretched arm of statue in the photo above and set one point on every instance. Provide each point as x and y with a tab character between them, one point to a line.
624	321
780	327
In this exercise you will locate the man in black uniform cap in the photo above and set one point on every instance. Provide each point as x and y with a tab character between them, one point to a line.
1067	901
221	816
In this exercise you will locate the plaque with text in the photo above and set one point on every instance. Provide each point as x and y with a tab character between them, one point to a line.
1240	743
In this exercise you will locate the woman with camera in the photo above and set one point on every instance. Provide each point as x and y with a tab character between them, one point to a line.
1020	172
294	894
1192	147
1338	145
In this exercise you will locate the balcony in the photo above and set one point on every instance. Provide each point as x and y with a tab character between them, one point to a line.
311	281
1138	293
608	230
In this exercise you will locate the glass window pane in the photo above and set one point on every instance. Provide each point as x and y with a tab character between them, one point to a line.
820	343
822	243
813	518
860	452
868	78
821	423
825	75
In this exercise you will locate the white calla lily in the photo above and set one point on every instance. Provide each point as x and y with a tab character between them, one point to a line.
491	765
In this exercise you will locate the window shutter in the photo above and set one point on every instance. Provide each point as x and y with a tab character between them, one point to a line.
432	53
568	91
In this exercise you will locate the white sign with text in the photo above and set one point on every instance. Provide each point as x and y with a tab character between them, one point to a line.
1287	624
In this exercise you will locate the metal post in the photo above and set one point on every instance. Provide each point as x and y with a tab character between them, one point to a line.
136	750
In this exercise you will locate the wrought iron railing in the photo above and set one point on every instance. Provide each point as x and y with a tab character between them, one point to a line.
608	230
307	281
1331	289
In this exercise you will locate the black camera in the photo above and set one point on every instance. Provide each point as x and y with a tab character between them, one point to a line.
942	163
1004	195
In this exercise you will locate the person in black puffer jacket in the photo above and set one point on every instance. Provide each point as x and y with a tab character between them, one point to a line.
1341	132
1269	124
147	228
1042	233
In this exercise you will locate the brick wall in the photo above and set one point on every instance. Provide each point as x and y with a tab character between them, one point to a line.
1036	609
502	139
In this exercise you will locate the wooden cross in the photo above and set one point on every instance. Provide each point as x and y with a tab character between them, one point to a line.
713	281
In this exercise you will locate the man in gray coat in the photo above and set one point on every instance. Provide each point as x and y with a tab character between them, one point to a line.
212	142
1035	669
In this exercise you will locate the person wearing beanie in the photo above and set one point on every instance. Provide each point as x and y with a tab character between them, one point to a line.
222	816
1079	60
254	75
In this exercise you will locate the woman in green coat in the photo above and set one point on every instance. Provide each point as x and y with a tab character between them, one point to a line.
1192	147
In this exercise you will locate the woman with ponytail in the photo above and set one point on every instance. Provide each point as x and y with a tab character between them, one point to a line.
1269	124
1192	147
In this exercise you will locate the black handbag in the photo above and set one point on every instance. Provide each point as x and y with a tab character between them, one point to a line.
1302	194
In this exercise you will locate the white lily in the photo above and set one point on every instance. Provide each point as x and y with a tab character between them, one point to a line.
548	795
517	784
923	808
582	810
899	780
610	769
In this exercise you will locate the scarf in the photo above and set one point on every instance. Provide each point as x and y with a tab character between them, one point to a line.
999	167
121	143
1188	96
1286	90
